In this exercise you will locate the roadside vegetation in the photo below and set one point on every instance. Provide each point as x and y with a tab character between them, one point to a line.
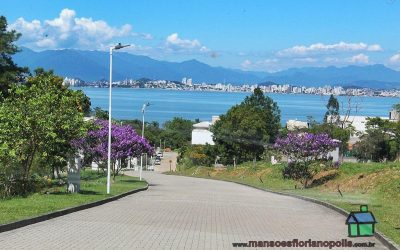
43	131
52	196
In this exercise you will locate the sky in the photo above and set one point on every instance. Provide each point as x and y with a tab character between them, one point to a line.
257	35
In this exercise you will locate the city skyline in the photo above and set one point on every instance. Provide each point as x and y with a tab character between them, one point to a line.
261	36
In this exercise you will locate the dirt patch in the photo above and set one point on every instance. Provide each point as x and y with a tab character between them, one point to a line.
363	182
264	172
324	177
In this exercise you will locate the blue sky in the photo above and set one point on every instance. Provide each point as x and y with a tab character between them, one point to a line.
255	35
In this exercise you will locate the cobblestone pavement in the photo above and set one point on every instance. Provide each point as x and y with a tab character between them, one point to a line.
184	213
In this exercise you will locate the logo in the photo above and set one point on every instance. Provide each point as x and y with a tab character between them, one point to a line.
361	223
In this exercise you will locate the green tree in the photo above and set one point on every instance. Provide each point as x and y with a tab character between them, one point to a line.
100	113
397	107
9	71
37	123
152	130
270	110
177	132
85	103
245	130
197	155
332	114
338	133
381	141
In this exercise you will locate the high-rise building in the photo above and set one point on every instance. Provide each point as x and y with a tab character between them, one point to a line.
184	80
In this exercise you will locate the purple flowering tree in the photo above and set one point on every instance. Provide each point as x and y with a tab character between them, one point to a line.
125	143
302	150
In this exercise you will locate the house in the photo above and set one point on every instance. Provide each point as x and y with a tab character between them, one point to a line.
394	115
201	134
361	223
358	122
335	154
293	125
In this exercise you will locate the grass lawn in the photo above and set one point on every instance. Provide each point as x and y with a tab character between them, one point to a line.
374	184
93	188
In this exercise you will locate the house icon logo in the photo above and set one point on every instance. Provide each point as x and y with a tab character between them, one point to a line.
361	223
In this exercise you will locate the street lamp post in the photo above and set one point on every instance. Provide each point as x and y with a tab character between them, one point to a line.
141	156
116	47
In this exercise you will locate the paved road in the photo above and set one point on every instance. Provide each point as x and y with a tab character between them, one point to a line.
166	165
184	213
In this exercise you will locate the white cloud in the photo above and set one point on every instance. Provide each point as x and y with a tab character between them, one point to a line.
246	64
31	30
269	64
360	58
395	59
174	43
320	48
69	31
331	60
306	60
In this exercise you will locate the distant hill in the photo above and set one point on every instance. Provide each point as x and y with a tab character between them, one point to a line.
94	65
370	76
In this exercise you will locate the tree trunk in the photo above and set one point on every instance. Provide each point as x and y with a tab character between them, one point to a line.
113	168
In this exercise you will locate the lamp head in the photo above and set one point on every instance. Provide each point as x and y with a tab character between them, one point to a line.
120	46
144	106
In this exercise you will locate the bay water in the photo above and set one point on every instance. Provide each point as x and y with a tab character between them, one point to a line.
166	104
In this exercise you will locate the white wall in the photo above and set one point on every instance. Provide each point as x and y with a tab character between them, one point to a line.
202	136
335	155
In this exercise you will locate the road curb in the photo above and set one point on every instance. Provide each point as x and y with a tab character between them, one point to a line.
30	221
380	236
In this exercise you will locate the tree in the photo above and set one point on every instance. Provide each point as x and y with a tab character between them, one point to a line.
332	114
9	71
37	122
100	113
381	141
270	110
334	131
198	155
302	150
397	107
245	130
85	103
177	132
152	130
125	142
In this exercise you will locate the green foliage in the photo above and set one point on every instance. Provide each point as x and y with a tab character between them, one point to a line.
177	132
152	130
84	103
397	107
9	71
100	113
381	142
198	155
245	130
37	123
338	133
54	196
333	111
331	125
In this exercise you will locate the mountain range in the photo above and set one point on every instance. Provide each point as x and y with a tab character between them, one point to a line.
94	65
